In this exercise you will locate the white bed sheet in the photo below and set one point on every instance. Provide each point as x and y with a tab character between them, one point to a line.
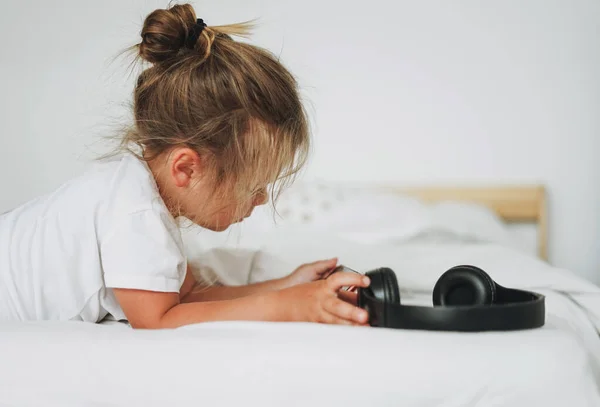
267	364
289	364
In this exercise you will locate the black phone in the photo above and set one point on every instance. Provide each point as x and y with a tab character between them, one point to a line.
341	267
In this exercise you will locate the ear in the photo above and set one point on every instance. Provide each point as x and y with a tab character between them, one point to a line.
185	165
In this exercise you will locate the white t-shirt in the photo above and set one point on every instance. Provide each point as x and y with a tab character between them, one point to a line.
60	254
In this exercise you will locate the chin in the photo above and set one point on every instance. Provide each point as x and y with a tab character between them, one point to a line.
222	225
220	228
212	227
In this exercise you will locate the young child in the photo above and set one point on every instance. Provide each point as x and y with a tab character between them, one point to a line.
217	123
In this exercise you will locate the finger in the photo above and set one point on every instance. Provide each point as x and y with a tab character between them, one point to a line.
317	263
344	310
332	319
323	267
328	272
329	318
343	279
348	296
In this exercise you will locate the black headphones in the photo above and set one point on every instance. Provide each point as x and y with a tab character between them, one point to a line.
465	298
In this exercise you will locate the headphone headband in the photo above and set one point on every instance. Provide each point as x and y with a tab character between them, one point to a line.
505	317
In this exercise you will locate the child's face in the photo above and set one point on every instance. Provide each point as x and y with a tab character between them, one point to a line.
188	188
218	216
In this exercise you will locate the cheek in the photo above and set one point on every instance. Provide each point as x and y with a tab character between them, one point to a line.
230	213
195	204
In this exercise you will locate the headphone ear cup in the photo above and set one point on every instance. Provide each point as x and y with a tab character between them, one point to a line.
391	286
384	285
464	285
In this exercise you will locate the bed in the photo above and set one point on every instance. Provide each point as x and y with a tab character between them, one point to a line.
419	233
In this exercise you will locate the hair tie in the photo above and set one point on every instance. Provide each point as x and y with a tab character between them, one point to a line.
194	33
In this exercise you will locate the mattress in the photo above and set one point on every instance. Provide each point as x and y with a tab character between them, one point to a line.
299	364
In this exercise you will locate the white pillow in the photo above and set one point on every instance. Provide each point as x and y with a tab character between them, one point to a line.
464	222
374	216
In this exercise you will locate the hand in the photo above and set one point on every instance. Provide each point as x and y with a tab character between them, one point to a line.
307	273
318	301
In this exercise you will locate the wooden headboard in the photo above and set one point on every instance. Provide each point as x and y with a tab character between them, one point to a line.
514	204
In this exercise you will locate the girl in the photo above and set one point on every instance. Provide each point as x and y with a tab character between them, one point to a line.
217	122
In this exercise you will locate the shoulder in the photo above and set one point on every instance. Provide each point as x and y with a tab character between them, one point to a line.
132	194
127	195
125	173
128	185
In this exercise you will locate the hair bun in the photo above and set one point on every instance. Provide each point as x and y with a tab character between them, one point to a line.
165	32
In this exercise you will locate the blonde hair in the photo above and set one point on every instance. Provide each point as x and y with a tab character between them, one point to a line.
232	102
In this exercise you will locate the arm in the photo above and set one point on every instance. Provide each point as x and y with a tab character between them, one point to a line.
154	310
316	301
192	291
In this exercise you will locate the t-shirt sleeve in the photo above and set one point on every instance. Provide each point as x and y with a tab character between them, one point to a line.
144	251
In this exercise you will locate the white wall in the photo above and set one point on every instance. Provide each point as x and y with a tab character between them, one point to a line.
399	91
